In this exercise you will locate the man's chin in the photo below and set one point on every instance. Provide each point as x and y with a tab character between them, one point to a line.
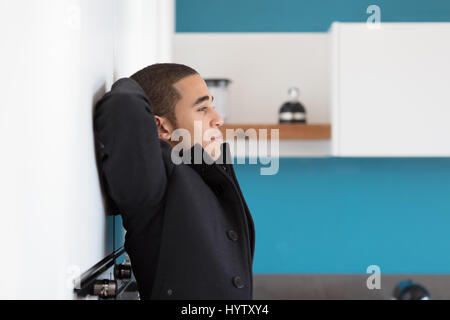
213	149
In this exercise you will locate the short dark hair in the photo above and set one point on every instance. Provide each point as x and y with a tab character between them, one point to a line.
157	81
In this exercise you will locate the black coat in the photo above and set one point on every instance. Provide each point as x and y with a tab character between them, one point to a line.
189	232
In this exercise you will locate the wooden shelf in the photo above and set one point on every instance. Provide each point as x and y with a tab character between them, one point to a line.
287	131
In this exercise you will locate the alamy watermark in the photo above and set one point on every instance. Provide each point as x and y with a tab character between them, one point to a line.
374	280
260	147
374	20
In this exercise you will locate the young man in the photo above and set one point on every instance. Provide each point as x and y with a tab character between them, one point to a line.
189	232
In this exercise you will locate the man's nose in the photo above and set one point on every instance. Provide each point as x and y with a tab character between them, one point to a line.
217	120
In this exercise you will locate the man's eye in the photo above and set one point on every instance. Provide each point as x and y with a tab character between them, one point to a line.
202	109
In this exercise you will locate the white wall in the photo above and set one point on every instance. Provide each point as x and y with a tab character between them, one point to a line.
57	57
262	67
143	34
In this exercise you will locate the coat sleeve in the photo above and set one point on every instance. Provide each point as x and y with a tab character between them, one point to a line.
132	161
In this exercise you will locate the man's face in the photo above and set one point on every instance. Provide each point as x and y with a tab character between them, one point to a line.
195	110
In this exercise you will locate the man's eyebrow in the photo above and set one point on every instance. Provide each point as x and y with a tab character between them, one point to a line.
201	99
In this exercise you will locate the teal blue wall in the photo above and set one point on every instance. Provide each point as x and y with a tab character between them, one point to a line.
340	215
114	233
297	15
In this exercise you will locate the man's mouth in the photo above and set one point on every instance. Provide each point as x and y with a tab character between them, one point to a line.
216	138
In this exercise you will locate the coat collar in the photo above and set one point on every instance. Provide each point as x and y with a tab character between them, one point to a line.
201	161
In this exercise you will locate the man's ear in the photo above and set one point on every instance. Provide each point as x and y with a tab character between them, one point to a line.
165	128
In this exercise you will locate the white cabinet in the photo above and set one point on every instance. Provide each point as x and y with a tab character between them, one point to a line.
390	89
